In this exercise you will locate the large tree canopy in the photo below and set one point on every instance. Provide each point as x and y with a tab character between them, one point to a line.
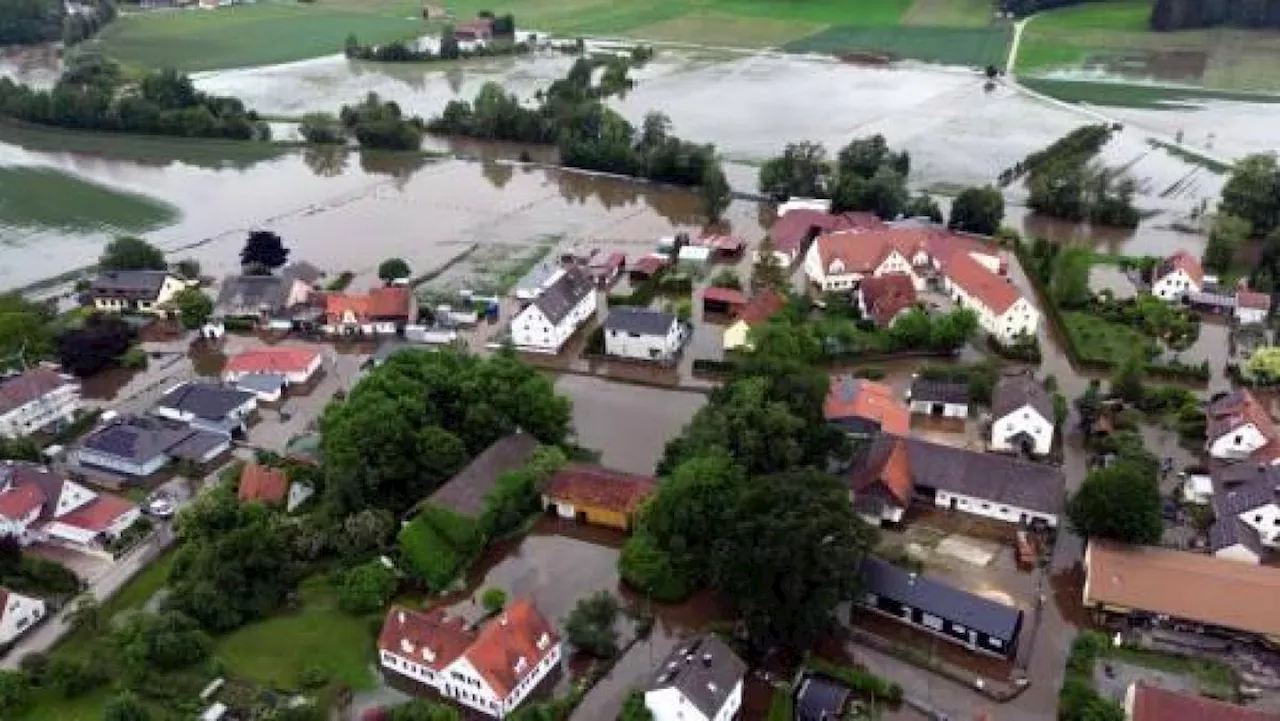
263	251
977	210
1120	502
128	253
95	345
1253	193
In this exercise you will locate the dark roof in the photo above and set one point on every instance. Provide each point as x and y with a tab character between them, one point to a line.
465	492
261	382
140	284
1015	391
888	581
820	699
1230	531
140	439
205	400
644	321
562	296
18	390
932	391
196	445
705	671
251	293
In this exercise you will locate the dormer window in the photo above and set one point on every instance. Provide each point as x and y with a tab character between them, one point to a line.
406	646
543	641
521	665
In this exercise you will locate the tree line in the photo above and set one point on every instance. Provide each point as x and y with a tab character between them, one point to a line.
92	95
1183	14
1064	182
1249	209
504	31
373	122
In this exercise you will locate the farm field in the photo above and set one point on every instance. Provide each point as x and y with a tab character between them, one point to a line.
277	31
48	198
1111	41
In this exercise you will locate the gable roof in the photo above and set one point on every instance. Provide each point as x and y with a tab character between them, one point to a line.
465	492
1181	260
644	321
378	304
431	638
133	284
564	294
518	633
259	483
849	397
18	390
884	465
140	439
762	306
887	295
279	359
931	596
599	487
862	249
29	488
1152	703
1235	410
937	391
818	698
251	293
1016	390
728	296
1246	298
790	231
994	291
205	400
98	514
705	671
1140	578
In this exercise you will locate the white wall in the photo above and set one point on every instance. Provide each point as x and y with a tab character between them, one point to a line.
1251	315
20	614
1174	285
949	410
1238	553
1020	318
1265	520
461	682
530	329
990	509
1240	443
668	704
59	404
1024	420
642	347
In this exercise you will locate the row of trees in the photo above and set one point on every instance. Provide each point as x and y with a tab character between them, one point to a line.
448	49
24	22
90	95
1184	14
868	176
1063	182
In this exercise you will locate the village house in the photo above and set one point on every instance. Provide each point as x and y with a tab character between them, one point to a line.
491	670
839	261
295	364
1177	276
965	619
794	230
139	446
208	406
36	399
939	399
604	268
1238	427
642	334
18	614
1021	416
1246	509
1144	701
535	281
647	267
143	291
699	681
39	506
757	311
466	491
894	472
1252	307
596	495
1003	312
556	313
381	311
268	299
863	408
1128	586
883	299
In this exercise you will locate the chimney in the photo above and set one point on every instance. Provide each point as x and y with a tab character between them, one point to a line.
706	660
502	621
400	617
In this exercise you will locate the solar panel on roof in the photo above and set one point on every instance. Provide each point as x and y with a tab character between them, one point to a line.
117	441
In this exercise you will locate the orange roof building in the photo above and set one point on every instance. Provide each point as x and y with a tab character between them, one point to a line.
263	485
381	310
491	670
597	495
296	364
882	298
1146	702
865	408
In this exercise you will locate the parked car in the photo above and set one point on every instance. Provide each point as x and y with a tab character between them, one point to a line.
160	506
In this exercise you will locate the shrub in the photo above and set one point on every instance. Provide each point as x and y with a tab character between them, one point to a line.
493	599
437	542
135	357
590	626
366	588
649	569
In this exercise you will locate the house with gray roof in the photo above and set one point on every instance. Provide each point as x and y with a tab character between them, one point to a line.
466	491
643	334
208	406
1246	509
143	291
1021	416
563	306
139	446
701	680
272	299
963	618
939	398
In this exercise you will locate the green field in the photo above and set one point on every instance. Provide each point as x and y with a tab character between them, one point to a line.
1166	97
1101	341
279	31
149	150
40	198
1112	38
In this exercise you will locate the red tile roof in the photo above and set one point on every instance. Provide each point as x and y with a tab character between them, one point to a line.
598	487
21	500
377	303
17	391
992	290
790	231
259	483
98	514
428	638
862	250
1182	260
648	265
505	640
1152	703
281	359
1246	298
730	296
766	304
860	398
887	295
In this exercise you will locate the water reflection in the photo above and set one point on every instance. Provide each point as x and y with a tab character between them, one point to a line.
326	161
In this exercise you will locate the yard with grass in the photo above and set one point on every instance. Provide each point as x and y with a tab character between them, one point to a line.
39	198
1101	341
1112	39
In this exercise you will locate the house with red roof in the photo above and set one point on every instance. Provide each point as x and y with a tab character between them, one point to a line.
1002	310
758	310
597	495
794	230
491	669
296	364
864	408
1252	307
264	485
18	614
1144	701
1239	427
38	506
882	299
381	311
1177	276
36	399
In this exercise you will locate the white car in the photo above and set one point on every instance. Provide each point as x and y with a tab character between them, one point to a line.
160	507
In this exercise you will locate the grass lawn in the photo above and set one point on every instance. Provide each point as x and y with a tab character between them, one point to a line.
277	651
40	198
1099	340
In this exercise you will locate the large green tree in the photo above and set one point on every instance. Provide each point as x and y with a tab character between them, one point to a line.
788	555
801	171
1253	192
977	210
23	22
715	192
129	253
25	335
1226	236
194	307
1120	502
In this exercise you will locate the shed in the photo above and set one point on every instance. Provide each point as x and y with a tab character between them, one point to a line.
268	387
647	267
696	255
596	495
465	492
939	398
723	301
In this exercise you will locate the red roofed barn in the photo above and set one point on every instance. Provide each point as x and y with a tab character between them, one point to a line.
381	311
597	495
491	670
882	299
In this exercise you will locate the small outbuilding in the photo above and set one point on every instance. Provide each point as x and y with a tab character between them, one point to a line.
723	301
597	495
939	399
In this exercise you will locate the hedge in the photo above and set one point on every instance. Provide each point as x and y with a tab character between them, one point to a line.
437	542
713	367
461	532
861	682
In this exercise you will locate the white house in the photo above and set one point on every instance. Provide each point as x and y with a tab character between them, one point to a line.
1177	276
558	311
1246	509
699	681
1239	427
297	364
491	670
642	334
940	399
18	614
837	261
35	400
37	506
1021	416
1252	308
1002	310
145	291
